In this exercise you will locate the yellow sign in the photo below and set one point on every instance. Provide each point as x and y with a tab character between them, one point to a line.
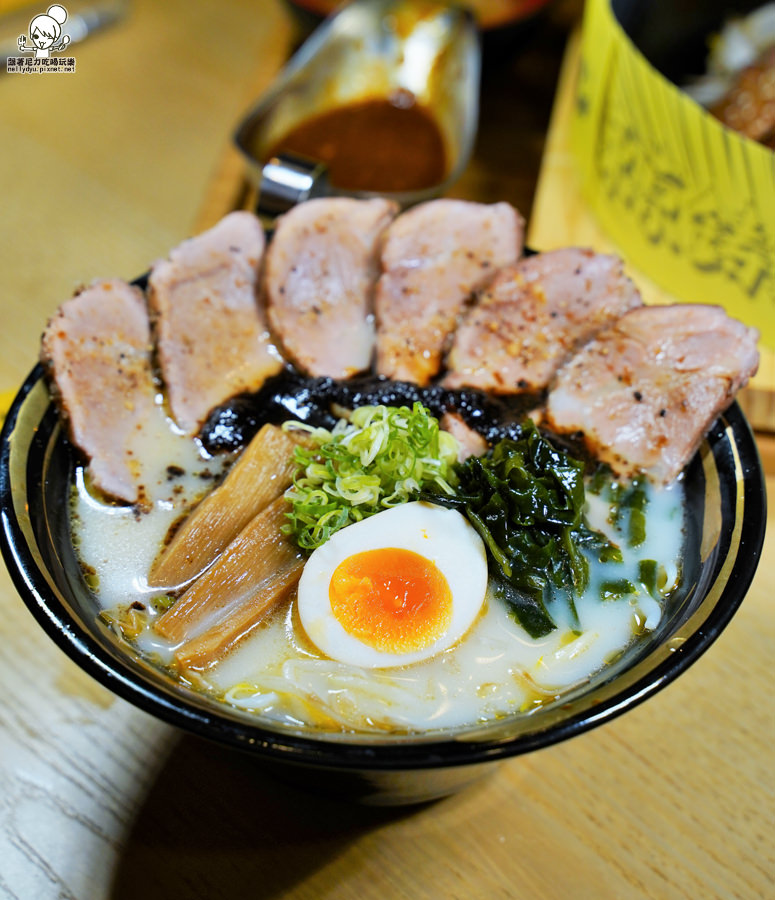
687	201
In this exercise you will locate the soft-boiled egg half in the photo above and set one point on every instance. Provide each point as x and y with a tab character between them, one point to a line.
394	589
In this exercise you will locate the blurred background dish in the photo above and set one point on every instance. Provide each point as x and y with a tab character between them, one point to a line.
682	40
489	14
384	94
685	199
737	81
505	26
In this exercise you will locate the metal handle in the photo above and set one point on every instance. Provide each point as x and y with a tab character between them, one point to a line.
286	180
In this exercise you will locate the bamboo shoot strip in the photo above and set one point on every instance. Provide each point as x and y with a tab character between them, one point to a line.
254	573
261	473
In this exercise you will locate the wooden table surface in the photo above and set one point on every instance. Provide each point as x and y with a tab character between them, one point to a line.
103	171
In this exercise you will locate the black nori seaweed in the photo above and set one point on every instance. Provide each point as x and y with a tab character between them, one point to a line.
290	395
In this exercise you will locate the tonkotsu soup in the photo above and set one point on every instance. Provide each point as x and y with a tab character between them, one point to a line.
444	639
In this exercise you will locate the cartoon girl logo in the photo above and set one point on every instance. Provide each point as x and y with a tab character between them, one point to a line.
46	33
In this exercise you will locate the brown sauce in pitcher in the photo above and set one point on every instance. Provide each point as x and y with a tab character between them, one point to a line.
382	144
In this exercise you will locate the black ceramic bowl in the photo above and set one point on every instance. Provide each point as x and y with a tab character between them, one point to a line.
725	531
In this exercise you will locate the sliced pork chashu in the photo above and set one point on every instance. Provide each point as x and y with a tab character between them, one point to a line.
434	256
470	442
212	339
321	268
97	352
532	317
645	391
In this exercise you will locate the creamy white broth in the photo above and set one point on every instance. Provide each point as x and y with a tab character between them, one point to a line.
119	542
275	672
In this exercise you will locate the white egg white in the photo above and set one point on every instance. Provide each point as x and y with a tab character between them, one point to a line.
442	536
495	670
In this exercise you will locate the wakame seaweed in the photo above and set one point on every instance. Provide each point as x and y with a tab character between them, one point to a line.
526	500
628	508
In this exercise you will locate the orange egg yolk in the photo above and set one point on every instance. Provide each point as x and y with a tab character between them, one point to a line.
391	599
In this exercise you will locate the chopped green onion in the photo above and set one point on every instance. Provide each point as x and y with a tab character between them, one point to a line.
380	457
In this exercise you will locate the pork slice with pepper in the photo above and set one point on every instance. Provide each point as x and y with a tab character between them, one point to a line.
321	268
97	353
645	391
533	316
212	338
434	256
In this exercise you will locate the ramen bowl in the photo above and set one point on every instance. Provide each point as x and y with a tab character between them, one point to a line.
724	529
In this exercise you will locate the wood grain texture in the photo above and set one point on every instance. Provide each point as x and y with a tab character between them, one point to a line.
99	800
